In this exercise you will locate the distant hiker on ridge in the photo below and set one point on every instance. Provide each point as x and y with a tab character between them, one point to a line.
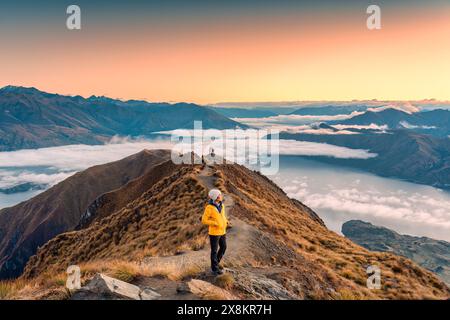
215	217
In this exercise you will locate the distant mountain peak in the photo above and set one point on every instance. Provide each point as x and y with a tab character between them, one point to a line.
19	89
103	98
33	119
391	110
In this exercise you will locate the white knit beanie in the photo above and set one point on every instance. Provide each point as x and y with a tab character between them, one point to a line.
214	193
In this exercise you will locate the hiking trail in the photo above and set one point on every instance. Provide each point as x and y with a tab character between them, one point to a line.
237	238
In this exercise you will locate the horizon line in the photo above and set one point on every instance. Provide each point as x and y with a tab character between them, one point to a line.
274	103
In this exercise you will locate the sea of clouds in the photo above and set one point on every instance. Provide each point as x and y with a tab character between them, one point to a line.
405	207
305	123
293	119
339	196
52	165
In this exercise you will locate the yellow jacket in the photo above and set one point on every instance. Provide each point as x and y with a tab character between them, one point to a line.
216	221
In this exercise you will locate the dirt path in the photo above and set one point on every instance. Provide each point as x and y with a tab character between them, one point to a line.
207	179
245	246
238	236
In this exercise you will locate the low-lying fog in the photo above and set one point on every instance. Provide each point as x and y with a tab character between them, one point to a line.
337	194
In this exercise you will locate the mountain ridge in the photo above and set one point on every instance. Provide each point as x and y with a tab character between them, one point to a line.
289	248
30	118
30	224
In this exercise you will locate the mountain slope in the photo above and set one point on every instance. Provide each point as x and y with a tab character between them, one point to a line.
276	241
32	223
117	199
431	254
30	118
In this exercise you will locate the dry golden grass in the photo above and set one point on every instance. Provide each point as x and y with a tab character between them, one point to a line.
8	289
160	222
129	270
44	285
49	283
218	295
166	220
348	294
338	262
224	281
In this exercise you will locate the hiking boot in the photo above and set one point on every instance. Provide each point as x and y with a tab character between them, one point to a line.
218	272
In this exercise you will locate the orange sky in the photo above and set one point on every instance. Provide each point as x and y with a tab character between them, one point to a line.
324	57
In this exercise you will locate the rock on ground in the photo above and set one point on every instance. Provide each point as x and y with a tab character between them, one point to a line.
104	287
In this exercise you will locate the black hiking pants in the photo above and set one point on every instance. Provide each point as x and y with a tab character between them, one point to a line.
218	247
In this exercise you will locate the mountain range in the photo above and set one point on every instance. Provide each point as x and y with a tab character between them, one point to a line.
431	254
147	231
436	122
244	113
30	118
403	154
329	110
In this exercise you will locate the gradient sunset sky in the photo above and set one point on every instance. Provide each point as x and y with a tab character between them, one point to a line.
205	51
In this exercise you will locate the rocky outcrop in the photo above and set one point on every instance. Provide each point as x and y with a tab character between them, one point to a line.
431	254
103	287
258	286
207	290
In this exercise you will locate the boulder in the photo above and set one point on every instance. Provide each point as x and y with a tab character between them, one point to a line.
258	286
105	287
208	291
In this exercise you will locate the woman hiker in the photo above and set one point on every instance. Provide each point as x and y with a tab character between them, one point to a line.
215	217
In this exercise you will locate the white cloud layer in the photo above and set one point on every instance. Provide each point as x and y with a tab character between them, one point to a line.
57	163
77	157
293	119
304	148
372	126
407	107
10	178
341	196
411	126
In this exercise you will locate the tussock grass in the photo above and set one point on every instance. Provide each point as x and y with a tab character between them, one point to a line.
6	289
162	221
347	294
224	281
9	288
128	271
166	220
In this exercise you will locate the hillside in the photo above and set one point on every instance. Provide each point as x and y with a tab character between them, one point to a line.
401	154
431	254
278	248
32	223
30	118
